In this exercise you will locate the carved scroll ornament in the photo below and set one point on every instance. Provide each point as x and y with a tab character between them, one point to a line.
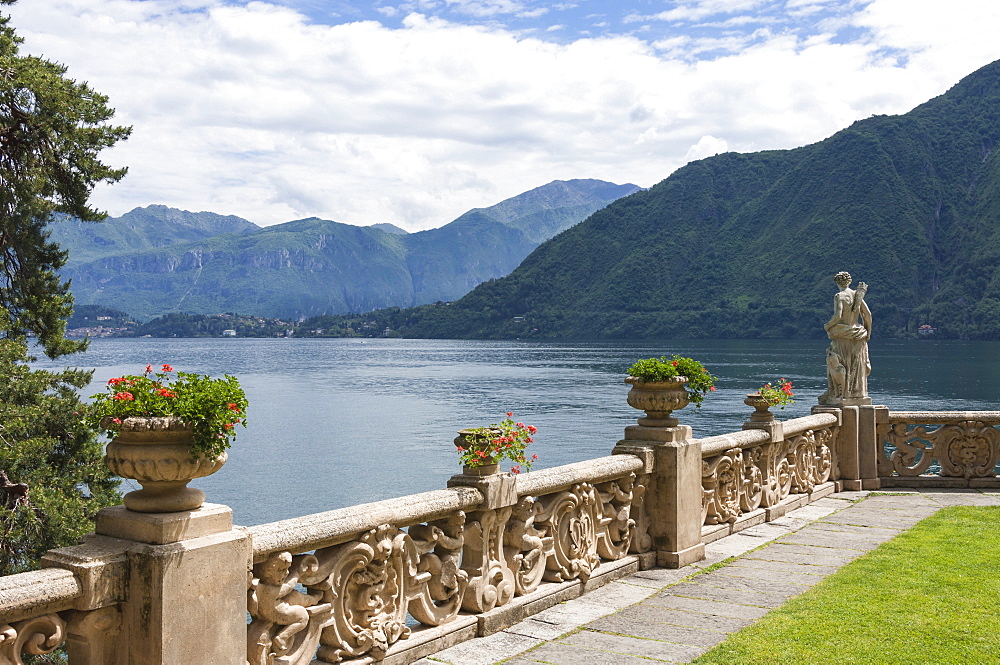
357	594
37	636
810	459
732	484
571	518
965	449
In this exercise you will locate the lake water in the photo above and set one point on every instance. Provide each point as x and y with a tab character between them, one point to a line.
338	422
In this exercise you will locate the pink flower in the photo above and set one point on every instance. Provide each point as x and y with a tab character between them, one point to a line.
116	421
149	368
168	368
532	429
510	413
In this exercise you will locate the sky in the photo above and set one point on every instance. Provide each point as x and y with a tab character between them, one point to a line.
414	112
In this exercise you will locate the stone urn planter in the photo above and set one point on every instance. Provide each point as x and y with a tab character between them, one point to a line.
471	440
658	399
156	452
761	407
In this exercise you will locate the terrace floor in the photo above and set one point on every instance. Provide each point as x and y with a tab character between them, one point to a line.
669	616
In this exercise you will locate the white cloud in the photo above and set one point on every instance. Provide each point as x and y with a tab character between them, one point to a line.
706	147
253	110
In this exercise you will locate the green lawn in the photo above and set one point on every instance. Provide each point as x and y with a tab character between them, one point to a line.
929	596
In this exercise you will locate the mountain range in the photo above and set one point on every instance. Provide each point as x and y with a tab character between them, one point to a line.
158	260
746	245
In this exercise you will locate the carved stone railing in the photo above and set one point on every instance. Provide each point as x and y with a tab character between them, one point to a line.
397	580
753	473
34	608
938	448
403	578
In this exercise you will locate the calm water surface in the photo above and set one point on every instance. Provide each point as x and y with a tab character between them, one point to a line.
338	422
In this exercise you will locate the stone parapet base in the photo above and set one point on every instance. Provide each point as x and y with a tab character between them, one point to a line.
712	532
429	640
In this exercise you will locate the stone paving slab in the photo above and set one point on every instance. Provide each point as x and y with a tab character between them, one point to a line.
716	607
657	649
780	566
655	614
717	580
856	529
735	594
560	653
840	540
793	554
805	579
673	616
665	632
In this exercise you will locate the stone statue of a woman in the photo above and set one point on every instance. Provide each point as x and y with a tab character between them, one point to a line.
847	364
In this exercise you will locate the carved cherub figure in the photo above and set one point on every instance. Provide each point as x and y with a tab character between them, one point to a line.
280	603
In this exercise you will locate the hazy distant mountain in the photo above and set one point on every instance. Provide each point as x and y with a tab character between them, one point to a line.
746	245
157	260
142	229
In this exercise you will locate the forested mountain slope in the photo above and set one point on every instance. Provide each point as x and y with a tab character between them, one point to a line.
746	245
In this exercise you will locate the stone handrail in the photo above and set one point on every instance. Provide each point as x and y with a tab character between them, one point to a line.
29	607
311	532
360	583
963	451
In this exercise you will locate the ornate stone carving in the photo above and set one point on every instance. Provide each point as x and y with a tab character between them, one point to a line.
775	467
732	484
357	594
721	479
526	548
616	527
436	596
37	636
491	579
810	459
964	449
641	540
571	519
847	361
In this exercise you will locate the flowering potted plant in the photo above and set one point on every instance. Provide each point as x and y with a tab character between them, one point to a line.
480	449
168	428
661	385
776	393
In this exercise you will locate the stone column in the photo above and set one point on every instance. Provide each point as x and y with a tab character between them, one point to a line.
180	583
673	498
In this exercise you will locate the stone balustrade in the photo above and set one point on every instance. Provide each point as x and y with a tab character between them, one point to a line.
938	448
765	470
396	580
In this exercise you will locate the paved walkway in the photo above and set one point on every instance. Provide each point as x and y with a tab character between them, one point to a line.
674	616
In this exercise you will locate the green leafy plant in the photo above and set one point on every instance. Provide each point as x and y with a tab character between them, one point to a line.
699	381
777	393
210	407
493	443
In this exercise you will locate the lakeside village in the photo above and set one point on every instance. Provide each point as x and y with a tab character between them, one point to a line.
96	321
